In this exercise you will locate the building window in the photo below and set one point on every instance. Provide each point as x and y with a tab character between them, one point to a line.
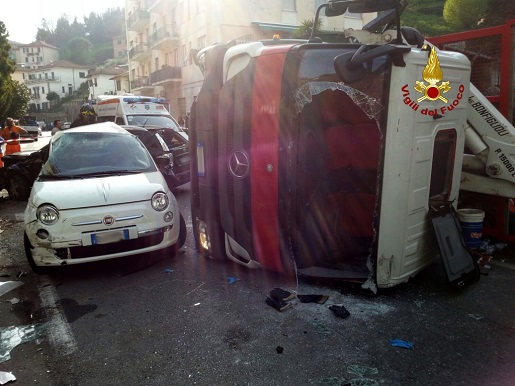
82	74
201	41
288	5
184	55
63	90
118	85
42	90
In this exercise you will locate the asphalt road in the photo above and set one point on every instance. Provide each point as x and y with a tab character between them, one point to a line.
187	320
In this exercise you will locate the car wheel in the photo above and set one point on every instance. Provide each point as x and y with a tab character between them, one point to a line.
28	252
18	188
182	232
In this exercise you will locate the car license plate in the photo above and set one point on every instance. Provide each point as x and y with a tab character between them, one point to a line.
109	237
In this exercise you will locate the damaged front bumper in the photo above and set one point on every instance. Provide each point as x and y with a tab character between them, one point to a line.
124	242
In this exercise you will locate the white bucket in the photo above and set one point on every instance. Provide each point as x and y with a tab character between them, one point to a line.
471	221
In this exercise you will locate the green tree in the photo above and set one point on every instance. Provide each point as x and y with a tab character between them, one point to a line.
80	50
7	67
95	28
499	11
53	98
464	14
19	100
305	28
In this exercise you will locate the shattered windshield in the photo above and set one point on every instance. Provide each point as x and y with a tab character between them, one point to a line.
161	121
89	154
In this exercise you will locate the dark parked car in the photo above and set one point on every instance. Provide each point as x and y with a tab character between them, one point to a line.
21	169
170	144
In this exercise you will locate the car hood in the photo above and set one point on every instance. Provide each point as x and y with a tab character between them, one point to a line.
88	192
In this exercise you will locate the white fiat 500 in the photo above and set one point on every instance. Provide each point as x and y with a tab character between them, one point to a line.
99	196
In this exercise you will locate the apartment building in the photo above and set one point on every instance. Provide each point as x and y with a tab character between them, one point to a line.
108	81
39	68
163	36
36	54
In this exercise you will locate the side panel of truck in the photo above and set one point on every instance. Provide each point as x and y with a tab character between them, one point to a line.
424	144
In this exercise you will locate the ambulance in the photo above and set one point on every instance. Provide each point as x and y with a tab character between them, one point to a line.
135	110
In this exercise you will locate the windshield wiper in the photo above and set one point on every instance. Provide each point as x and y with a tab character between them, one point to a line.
109	173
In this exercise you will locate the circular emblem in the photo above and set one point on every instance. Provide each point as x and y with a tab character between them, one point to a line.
239	164
108	220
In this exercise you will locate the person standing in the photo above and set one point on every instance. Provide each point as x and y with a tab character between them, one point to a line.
57	126
86	116
11	134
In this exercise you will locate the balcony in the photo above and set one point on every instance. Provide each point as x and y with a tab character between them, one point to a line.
141	84
166	76
139	52
161	6
164	38
43	80
138	19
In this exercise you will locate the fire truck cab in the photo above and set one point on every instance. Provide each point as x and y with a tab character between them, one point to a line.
324	157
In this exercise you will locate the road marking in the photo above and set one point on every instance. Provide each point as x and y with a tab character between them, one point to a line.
502	264
58	329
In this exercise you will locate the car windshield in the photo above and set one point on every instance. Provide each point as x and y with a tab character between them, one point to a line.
162	121
93	153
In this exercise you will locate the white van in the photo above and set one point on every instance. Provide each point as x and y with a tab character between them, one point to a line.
134	110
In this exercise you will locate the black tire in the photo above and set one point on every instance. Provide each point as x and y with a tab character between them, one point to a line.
182	232
28	252
18	188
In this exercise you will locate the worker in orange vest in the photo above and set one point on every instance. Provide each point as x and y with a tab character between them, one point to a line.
11	134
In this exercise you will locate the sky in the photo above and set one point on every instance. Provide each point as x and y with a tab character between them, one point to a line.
22	21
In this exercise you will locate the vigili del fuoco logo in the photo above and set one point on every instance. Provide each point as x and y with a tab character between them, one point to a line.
432	88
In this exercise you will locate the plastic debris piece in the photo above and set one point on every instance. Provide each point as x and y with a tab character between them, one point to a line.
279	305
401	343
14	300
10	337
340	311
320	327
280	294
361	371
6	377
476	316
419	302
7	286
500	246
21	274
320	299
232	279
363	382
168	270
331	381
279	349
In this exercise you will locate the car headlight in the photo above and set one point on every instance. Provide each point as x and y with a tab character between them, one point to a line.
160	201
47	214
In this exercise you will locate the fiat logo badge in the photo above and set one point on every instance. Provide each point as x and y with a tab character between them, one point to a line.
108	220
